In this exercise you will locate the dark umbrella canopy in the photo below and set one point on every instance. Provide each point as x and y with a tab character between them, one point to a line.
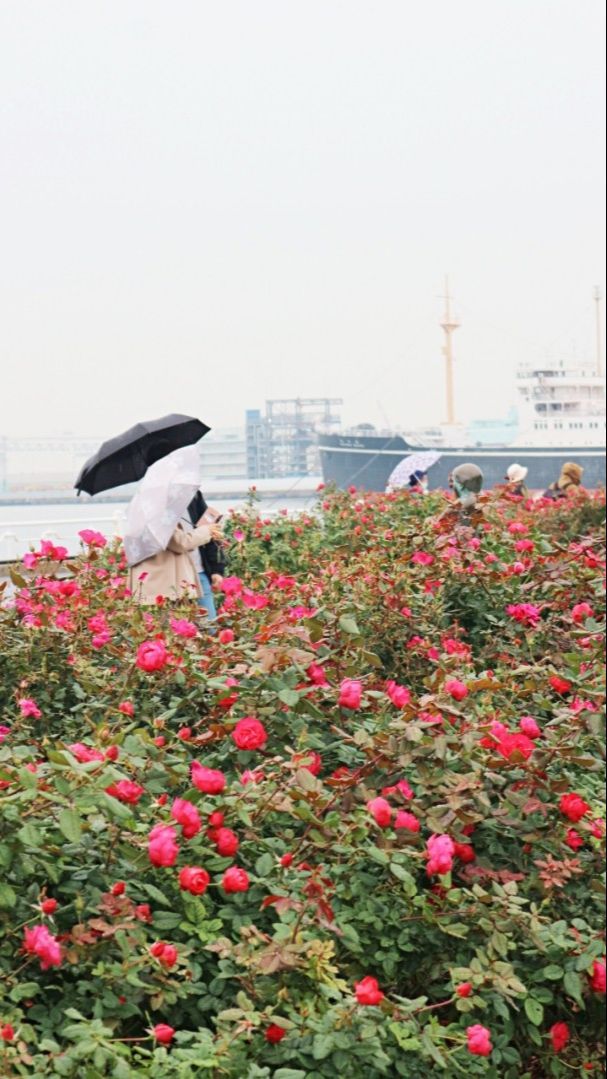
126	458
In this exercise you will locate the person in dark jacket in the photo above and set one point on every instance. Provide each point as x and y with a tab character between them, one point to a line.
212	562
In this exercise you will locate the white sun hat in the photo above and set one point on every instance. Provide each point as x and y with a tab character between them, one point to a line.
517	473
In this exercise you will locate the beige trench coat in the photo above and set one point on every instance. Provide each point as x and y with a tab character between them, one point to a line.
170	573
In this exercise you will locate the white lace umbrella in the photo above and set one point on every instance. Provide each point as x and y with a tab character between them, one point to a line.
160	500
415	462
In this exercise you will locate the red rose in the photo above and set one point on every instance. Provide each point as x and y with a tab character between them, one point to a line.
166	954
194	879
274	1034
225	636
381	811
464	990
479	1040
598	979
456	689
573	839
464	852
163	1033
560	685
207	780
127	708
119	888
226	841
559	1036
235	880
573	807
48	906
125	791
286	860
368	992
249	734
7	1032
151	656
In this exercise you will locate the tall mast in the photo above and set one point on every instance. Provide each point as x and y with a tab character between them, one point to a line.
449	324
597	315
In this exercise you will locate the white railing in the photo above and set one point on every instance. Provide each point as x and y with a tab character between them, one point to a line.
17	537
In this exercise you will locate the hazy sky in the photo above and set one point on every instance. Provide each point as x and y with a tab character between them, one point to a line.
203	204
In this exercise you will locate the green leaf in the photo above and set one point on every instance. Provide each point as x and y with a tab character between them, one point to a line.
155	893
572	984
534	1011
289	697
552	972
8	897
70	825
322	1046
289	1073
347	624
264	865
29	836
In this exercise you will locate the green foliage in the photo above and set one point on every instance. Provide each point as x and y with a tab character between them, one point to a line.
375	589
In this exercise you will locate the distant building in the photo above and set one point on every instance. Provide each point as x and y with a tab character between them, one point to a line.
223	454
282	441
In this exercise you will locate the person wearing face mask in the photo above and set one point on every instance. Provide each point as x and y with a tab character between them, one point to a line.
467	484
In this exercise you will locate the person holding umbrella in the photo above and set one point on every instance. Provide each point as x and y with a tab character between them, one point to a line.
157	545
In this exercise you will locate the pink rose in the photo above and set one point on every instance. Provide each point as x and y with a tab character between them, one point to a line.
529	727
399	695
28	708
163	1033
367	991
127	708
92	538
207	780
162	846
187	815
350	694
407	821
182	628
249	734
441	851
581	612
38	941
225	636
151	656
479	1040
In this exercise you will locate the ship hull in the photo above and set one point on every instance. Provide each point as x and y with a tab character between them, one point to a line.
366	462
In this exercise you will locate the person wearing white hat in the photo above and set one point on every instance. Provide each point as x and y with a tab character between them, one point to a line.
515	479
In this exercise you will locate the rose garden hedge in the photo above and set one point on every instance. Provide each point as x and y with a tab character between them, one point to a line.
358	831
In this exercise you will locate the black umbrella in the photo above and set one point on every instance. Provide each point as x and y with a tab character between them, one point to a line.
127	457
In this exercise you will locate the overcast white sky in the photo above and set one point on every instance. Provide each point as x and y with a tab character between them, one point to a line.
203	204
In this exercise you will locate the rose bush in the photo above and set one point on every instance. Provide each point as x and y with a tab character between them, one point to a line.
359	830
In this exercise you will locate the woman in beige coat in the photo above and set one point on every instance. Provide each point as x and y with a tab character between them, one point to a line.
171	573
